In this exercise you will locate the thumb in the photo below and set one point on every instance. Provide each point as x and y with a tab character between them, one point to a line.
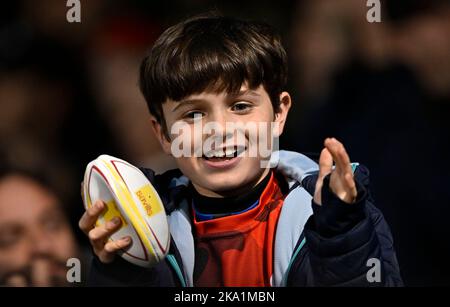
325	167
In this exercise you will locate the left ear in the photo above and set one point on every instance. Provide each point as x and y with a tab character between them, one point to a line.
280	117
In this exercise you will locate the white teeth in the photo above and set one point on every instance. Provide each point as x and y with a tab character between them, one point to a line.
230	152
221	153
215	153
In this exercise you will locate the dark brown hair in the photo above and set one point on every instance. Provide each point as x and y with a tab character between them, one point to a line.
213	53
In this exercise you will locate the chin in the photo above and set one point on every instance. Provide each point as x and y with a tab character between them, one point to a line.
223	181
229	183
220	185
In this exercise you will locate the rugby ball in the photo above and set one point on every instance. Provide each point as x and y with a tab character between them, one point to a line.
129	195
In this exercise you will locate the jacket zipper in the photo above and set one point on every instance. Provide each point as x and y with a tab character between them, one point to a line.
173	262
297	251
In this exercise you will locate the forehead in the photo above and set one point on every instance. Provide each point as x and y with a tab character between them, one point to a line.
23	199
211	95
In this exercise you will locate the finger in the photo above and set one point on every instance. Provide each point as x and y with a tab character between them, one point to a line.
325	163
352	186
340	155
100	234
87	221
325	167
112	247
344	169
82	192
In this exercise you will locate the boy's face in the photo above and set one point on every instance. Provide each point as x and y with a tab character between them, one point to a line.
204	127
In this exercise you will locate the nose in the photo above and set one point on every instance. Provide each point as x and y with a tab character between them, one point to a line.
217	127
40	243
218	116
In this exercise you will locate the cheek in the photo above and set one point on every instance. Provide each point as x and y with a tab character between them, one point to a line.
252	166
64	245
188	165
261	140
14	258
186	140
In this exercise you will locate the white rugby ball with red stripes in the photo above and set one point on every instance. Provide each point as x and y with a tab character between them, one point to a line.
129	195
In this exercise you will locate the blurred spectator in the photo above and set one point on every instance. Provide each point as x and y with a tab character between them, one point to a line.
384	90
34	107
117	49
48	119
36	239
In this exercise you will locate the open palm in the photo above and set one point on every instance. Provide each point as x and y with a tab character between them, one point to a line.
342	183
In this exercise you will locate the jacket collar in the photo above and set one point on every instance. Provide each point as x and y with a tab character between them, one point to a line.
293	165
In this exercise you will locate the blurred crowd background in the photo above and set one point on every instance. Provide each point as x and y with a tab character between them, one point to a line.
68	93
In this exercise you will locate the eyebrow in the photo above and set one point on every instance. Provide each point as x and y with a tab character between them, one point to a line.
8	226
52	212
244	93
187	102
229	96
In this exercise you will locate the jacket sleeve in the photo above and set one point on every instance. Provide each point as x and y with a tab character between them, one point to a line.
121	273
346	245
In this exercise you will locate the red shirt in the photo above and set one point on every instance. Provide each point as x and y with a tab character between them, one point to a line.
237	250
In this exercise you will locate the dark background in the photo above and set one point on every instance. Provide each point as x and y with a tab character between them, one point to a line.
68	93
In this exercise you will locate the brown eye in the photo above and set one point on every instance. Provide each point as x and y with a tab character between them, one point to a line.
241	107
193	115
10	237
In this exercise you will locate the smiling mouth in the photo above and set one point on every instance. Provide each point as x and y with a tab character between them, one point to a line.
224	154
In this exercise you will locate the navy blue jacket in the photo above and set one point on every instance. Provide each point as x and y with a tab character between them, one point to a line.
335	244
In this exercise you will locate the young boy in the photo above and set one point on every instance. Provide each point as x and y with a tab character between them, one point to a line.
234	220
